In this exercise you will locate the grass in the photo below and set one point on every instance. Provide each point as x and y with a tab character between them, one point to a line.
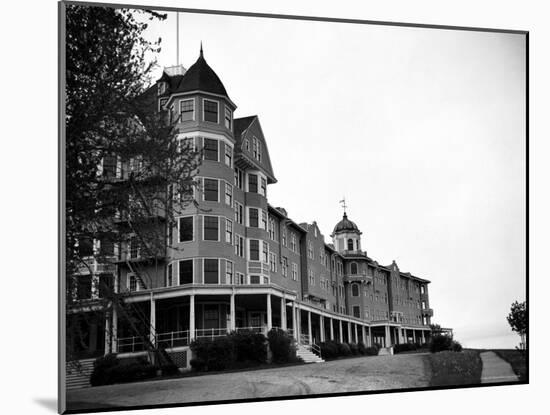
455	368
517	359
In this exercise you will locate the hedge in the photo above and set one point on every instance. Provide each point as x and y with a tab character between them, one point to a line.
282	346
109	370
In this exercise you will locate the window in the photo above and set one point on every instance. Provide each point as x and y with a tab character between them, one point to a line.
84	287
109	166
311	277
238	213
273	262
210	110
254	250
350	244
228	156
187	110
252	183
162	88
356	311
253	217
186	272
227	118
264	219
283	236
133	283
265	252
211	227
246	144
211	149
310	249
238	178
239	278
211	191
422	289
228	231
292	241
134	247
228	194
294	271
355	290
284	266
263	186
228	272
239	246
353	268
272	229
169	275
210	271
254	279
257	149
185	229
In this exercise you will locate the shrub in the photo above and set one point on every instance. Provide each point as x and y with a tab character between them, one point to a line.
405	347
362	348
344	349
198	364
440	342
354	349
456	346
249	346
217	354
329	349
109	369
372	351
282	346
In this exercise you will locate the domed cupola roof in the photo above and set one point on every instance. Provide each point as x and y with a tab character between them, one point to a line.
346	225
201	76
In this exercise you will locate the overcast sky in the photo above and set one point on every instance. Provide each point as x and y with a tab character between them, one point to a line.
422	131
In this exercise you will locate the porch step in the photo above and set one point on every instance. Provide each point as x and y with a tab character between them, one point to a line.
307	355
385	351
79	378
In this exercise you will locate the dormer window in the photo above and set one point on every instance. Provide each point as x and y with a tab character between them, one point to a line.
210	109
162	87
257	149
227	118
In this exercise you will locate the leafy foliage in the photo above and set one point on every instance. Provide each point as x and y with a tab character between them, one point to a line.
109	370
518	319
282	346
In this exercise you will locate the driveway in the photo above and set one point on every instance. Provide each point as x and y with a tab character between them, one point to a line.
348	375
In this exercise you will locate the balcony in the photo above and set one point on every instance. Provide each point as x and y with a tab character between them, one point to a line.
428	312
358	278
354	252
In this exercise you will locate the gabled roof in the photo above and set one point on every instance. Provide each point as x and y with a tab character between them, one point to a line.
247	128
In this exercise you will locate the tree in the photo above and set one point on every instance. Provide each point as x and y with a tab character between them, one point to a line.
518	320
112	124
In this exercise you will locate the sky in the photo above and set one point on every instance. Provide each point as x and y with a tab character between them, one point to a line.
421	130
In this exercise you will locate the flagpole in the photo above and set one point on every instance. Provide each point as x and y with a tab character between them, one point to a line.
177	38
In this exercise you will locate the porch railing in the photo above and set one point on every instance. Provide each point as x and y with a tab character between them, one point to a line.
262	330
173	339
304	338
210	333
130	344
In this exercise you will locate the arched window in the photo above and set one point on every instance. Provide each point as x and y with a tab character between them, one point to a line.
350	244
355	290
353	268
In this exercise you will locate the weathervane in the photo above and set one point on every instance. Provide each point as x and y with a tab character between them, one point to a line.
343	202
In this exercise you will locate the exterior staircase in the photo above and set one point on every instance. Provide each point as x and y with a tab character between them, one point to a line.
385	351
304	352
75	378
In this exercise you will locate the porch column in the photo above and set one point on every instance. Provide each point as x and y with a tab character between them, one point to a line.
369	338
232	326
191	317
153	321
294	322
269	316
423	338
309	327
388	337
349	332
355	333
283	313
107	333
114	331
414	336
341	332
364	335
400	335
331	329
322	327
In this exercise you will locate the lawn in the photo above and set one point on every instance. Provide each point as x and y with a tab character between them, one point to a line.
517	359
455	368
